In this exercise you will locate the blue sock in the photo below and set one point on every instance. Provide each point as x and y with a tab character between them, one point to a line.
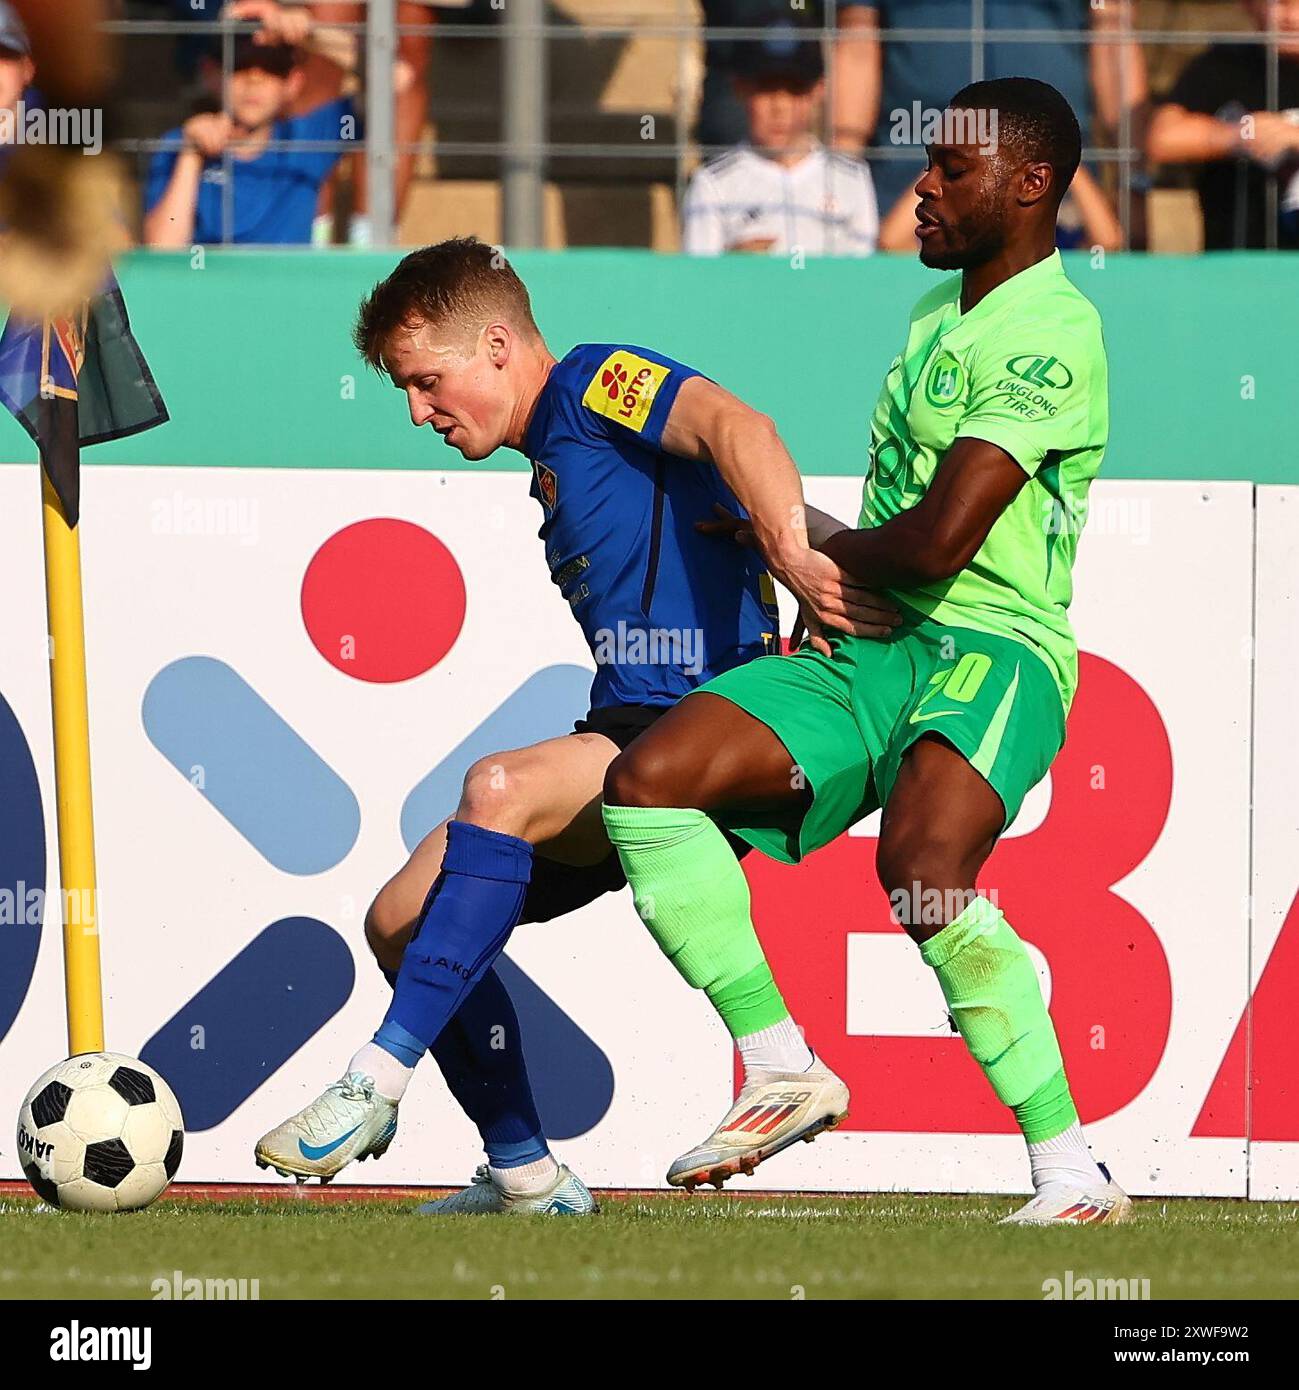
480	1053
473	906
404	1046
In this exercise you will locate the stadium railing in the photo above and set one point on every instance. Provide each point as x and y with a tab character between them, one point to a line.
523	157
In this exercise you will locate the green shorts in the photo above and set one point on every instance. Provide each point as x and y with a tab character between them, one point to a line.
847	719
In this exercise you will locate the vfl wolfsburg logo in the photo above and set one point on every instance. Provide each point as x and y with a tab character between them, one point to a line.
945	382
1040	371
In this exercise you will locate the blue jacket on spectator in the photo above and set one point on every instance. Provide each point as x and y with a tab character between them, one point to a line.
276	194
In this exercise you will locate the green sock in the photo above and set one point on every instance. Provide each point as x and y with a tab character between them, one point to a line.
692	895
992	991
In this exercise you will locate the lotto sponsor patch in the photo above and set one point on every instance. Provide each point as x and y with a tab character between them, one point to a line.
624	389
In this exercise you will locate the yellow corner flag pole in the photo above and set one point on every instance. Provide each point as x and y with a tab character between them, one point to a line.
76	825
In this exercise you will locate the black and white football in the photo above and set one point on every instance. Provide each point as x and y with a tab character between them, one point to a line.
100	1132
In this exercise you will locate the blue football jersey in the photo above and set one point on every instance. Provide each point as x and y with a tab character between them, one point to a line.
662	607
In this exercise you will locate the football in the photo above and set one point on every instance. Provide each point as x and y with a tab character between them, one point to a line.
100	1132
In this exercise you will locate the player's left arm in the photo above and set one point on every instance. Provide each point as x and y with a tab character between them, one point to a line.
943	532
1009	426
820	526
708	423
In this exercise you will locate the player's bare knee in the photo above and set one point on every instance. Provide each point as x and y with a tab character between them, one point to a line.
640	777
386	919
921	871
907	859
386	930
495	794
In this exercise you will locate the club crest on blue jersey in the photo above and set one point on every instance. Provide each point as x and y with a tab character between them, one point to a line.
547	485
623	548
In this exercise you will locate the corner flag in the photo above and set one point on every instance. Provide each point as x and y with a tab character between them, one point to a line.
75	381
71	381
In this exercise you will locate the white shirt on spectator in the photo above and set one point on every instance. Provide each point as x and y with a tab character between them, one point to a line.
824	205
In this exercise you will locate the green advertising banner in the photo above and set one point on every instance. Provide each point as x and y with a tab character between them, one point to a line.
253	353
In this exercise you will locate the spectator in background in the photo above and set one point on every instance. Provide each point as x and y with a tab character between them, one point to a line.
322	83
275	192
876	78
722	120
781	191
1217	118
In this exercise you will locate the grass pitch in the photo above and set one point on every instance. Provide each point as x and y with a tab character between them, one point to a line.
706	1246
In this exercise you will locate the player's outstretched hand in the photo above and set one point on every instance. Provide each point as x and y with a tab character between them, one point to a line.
829	599
727	524
832	601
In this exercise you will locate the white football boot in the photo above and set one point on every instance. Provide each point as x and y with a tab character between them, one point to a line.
566	1196
349	1121
774	1110
1064	1204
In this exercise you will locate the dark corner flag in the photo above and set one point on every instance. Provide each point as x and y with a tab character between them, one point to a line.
75	381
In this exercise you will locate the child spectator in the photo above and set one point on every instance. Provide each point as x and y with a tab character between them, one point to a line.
781	191
273	193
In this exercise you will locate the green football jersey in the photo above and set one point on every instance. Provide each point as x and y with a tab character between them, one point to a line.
1025	370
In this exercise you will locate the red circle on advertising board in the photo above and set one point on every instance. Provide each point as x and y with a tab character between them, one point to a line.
383	600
